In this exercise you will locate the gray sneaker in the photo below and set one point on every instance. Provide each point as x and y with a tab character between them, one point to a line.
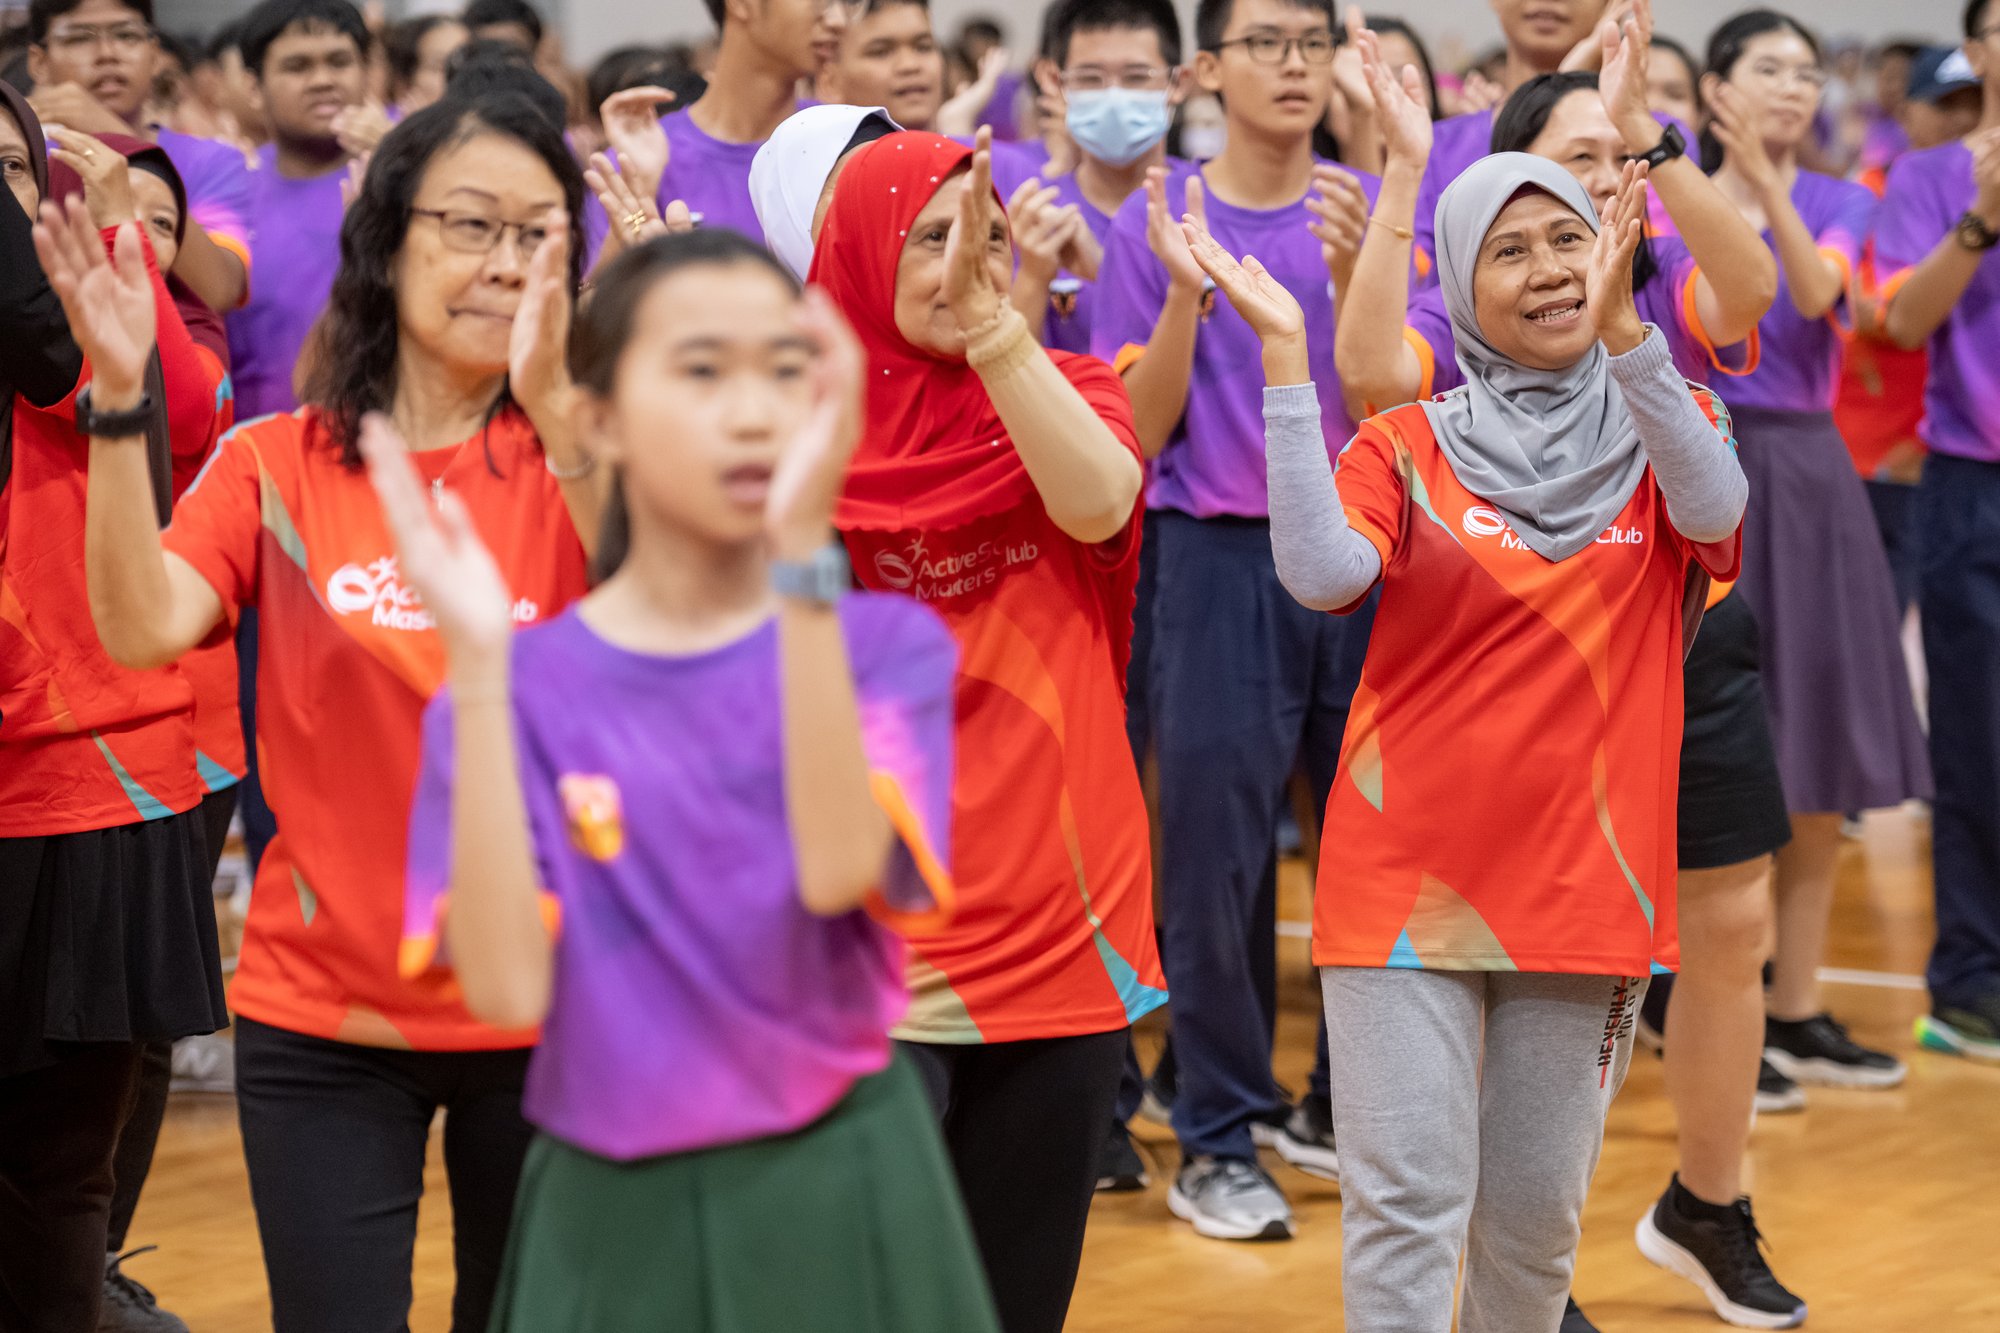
128	1306
1230	1199
204	1064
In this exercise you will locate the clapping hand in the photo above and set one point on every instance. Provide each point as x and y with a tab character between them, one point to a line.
108	301
1165	236
798	516
1608	284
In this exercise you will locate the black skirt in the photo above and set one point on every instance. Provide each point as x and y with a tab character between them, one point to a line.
1732	802
107	935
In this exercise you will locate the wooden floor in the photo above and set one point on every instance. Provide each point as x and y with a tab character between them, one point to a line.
1881	1208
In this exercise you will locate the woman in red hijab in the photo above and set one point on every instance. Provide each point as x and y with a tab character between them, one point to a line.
999	484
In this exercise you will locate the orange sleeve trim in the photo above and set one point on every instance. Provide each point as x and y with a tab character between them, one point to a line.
889	795
418	954
1127	357
1754	349
1839	259
1426	361
1894	283
1421	259
242	252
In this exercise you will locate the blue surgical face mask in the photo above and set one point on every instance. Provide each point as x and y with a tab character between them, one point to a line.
1118	126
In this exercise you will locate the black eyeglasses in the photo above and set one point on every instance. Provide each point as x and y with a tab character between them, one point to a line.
1270	48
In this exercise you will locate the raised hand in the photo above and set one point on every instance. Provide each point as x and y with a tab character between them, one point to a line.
1588	54
1402	104
107	178
1270	310
1479	93
1626	43
537	345
71	104
1165	236
798	515
634	214
1340	220
355	177
1986	175
1734	129
961	113
1608	283
632	128
438	550
1043	229
968	280
108	302
358	129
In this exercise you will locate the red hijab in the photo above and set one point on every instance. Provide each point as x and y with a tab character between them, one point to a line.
933	453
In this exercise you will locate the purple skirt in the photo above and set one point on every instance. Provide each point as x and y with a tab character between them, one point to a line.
1815	574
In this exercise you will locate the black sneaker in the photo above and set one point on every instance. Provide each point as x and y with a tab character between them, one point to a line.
1120	1169
1574	1320
1972	1031
128	1306
1651	1029
1777	1094
1719	1252
1305	1140
1818	1050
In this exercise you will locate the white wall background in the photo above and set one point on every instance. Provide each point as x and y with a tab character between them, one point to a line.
594	26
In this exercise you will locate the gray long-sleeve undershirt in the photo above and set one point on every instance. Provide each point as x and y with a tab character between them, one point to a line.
1325	564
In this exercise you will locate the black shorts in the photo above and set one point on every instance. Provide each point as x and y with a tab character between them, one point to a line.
107	935
1732	802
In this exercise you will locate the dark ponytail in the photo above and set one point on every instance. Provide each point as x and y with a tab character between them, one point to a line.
604	327
1725	51
1521	120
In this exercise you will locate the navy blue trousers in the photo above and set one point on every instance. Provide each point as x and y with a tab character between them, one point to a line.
1246	686
1958	513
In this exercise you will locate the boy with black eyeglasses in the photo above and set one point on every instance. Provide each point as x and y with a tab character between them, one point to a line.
1244	680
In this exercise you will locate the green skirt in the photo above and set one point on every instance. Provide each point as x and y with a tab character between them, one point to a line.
851	1225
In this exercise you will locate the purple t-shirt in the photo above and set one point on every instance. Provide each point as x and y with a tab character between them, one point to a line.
1928	193
218	186
1071	299
1213	463
295	244
1800	367
1456	143
1662	301
696	1002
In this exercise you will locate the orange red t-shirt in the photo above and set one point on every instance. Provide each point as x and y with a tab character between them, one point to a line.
1053	933
1507	788
347	658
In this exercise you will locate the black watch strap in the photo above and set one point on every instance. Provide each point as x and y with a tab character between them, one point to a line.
1975	235
1672	144
112	425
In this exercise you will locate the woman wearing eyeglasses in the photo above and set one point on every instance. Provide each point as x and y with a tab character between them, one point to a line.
448	315
1814	571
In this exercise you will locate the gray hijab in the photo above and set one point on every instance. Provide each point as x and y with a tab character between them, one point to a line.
1555	451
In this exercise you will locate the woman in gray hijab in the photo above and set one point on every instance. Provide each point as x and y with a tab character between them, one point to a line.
1498	883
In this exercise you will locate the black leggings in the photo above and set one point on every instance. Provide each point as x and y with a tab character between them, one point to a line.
1024	1122
335	1137
57	1128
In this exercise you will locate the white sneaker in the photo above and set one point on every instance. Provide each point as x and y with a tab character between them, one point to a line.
1227	1198
204	1064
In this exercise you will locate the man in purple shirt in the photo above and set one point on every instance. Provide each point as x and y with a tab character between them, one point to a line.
1936	233
93	63
1542	36
309	58
701	156
1244	679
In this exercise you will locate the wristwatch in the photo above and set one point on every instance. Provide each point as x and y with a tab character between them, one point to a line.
824	579
113	425
1975	235
1672	144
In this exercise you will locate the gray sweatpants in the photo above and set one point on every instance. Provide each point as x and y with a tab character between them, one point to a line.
1469	1110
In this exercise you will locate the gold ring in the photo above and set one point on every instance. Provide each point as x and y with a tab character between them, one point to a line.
88	153
635	220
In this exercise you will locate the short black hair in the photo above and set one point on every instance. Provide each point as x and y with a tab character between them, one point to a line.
717	10
1211	19
227	38
628	67
488	13
41	13
185	51
1975	17
481	70
1067	18
985	29
274	18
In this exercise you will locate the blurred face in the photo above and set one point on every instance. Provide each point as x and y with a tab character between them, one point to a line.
1528	287
1983	51
454	302
1781	80
1119	58
712	386
16	168
800	37
1892	81
1581	137
311	76
1278	98
922	315
159	214
1670	88
1399	51
104	46
1931	123
427	83
890	58
1543	31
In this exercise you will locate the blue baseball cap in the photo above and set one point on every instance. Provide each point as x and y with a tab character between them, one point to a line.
1939	72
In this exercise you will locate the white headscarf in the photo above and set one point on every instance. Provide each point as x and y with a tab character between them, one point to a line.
1556	451
791	169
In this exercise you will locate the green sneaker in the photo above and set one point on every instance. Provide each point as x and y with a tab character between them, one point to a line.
1955	1030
